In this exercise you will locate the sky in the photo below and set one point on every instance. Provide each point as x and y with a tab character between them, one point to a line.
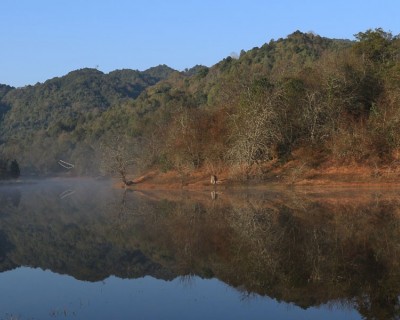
42	39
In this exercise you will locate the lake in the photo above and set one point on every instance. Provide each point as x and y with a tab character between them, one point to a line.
79	249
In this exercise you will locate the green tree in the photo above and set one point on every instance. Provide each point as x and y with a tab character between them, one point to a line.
9	169
374	45
13	169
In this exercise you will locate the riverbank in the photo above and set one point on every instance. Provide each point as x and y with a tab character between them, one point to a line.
291	175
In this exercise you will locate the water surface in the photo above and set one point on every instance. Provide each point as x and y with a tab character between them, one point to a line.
77	249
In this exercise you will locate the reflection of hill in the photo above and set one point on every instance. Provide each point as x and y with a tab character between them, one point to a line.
69	235
308	248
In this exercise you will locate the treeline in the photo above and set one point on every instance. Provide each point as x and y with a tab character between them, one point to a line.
304	97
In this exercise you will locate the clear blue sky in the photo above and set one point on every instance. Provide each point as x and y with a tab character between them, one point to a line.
41	39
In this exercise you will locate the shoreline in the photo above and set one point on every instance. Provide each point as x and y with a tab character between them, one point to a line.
282	178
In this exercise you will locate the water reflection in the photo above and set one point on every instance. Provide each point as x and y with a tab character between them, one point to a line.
337	247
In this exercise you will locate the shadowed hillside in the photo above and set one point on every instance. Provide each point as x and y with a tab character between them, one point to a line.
50	120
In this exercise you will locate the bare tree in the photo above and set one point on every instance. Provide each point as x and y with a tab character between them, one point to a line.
116	157
256	127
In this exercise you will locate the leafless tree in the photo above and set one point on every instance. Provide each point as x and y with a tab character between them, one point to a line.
117	157
256	128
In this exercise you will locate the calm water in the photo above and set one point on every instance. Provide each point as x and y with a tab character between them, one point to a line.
77	249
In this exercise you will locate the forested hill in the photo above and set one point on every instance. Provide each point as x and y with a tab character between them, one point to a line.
302	97
60	105
80	91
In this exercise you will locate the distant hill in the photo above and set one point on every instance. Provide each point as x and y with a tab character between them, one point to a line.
334	98
4	108
58	105
78	92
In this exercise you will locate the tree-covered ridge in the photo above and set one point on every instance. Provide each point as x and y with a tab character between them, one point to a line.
4	89
335	99
52	116
4	108
80	91
305	97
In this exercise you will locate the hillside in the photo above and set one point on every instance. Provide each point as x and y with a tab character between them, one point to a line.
303	101
49	117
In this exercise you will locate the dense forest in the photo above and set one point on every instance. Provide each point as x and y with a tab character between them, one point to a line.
304	97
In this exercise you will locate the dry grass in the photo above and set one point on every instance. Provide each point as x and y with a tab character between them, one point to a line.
293	173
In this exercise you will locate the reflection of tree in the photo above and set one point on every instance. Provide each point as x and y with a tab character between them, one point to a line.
311	254
74	235
305	250
322	253
9	198
5	247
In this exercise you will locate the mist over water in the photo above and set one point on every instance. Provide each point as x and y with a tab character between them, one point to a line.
79	249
